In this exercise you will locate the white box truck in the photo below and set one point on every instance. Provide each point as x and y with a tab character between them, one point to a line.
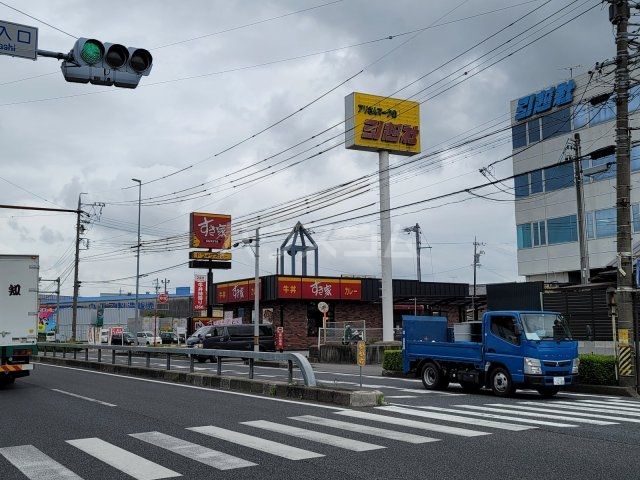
18	315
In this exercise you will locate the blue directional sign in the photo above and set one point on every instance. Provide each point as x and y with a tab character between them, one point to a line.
18	40
545	100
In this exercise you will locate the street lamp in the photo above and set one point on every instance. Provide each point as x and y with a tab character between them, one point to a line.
139	182
256	294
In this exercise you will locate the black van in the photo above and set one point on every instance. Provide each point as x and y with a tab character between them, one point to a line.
233	337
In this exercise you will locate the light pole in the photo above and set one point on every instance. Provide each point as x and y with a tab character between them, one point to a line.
256	291
137	326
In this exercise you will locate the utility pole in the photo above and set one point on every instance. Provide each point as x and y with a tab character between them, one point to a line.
139	182
166	282
476	264
256	296
156	284
76	282
585	272
418	231
619	13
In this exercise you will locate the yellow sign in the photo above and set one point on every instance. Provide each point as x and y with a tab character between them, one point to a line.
376	123
623	336
224	256
362	353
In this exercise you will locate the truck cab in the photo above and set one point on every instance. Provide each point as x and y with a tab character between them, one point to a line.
513	349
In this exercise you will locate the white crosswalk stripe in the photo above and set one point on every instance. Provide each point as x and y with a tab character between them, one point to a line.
35	465
405	422
365	429
256	443
212	458
500	415
313	436
625	406
582	407
123	460
457	419
497	407
624	402
542	408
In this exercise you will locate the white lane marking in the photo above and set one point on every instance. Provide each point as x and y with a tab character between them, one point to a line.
497	408
630	406
266	376
35	465
405	422
120	459
251	441
597	395
624	402
565	413
212	458
597	407
365	429
456	419
193	387
313	436
400	396
88	399
583	408
437	392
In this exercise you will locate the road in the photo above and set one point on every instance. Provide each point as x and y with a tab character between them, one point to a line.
71	424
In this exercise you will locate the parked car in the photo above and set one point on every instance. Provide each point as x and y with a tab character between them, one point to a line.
129	339
168	337
234	337
147	338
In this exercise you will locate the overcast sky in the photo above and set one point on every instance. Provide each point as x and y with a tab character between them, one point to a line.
58	139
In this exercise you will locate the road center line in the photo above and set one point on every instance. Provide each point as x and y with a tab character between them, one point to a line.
88	399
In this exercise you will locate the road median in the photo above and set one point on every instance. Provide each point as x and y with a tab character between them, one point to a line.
268	388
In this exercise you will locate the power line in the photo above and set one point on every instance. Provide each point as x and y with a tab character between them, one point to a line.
38	20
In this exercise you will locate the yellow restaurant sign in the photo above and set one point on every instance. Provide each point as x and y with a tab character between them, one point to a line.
376	123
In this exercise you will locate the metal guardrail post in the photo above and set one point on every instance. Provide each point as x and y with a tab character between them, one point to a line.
86	354
290	368
99	355
64	352
148	360
191	366
129	354
54	351
251	361
75	353
44	351
219	361
168	361
113	357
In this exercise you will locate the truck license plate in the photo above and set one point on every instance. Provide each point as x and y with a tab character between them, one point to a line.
558	380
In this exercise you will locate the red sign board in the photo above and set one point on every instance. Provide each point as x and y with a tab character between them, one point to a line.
322	288
117	330
163	298
279	338
200	292
239	292
222	293
210	230
350	289
289	287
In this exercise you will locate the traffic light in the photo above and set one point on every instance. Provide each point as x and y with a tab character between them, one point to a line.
106	64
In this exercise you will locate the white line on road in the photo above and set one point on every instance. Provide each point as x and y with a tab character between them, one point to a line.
88	399
365	429
565	413
583	408
120	459
635	407
497	408
212	458
456	419
463	432
313	436
400	396
261	444
35	465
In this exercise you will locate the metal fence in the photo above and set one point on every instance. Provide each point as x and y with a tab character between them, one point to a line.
291	359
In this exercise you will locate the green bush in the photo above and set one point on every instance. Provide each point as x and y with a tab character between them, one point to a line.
392	360
598	369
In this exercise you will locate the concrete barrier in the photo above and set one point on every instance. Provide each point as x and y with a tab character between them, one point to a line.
268	388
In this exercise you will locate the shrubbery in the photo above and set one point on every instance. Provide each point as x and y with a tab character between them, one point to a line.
598	369
392	360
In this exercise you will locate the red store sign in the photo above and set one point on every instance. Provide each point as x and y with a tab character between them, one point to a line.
200	292
321	288
210	230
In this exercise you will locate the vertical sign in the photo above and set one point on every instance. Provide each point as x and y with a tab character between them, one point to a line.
200	292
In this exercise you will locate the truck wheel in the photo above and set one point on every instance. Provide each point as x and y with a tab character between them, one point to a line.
431	376
470	387
501	383
548	392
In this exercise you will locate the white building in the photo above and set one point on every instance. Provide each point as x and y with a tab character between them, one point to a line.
543	125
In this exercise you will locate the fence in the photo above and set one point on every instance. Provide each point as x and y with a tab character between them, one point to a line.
191	353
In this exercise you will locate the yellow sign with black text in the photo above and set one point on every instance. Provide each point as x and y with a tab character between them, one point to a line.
362	353
200	255
375	123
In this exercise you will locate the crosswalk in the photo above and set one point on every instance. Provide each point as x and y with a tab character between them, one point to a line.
311	437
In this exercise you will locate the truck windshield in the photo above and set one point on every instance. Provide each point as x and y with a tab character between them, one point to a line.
545	326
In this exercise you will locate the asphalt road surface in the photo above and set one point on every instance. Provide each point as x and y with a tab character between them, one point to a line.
65	423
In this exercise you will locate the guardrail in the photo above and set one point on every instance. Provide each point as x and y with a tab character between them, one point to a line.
291	358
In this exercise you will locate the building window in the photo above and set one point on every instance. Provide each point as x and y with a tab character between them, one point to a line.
605	222
539	233
635	158
519	135
558	177
524	236
581	115
590	233
634	98
521	185
533	127
556	123
603	112
635	214
536	181
610	173
562	230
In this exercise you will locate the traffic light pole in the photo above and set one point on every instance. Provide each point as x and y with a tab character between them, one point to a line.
56	55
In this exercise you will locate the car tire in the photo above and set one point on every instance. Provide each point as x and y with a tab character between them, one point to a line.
431	376
501	382
548	392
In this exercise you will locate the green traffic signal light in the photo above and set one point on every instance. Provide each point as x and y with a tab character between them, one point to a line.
92	51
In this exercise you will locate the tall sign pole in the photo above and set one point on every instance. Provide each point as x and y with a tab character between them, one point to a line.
619	13
256	296
385	256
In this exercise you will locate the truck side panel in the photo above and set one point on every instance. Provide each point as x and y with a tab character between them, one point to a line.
18	300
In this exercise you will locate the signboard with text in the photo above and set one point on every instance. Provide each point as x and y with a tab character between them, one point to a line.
375	123
18	40
221	256
200	292
545	100
210	230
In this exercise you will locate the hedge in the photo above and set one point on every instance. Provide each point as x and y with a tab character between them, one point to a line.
598	369
392	360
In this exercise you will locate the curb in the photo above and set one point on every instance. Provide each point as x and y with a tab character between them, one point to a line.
604	390
268	388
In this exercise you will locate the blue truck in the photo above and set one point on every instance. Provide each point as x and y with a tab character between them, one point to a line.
509	350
